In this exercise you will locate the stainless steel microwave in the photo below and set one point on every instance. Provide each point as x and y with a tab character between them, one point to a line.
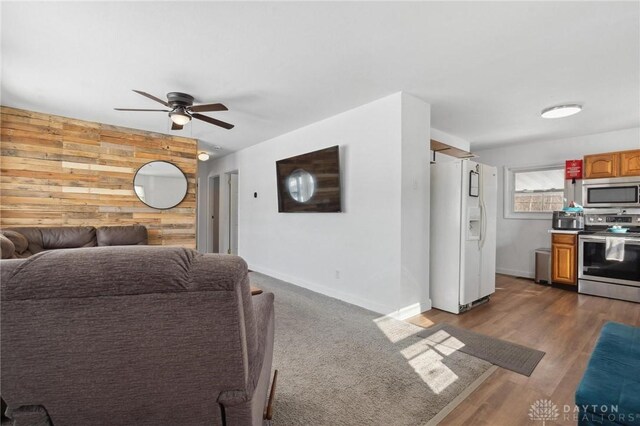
613	192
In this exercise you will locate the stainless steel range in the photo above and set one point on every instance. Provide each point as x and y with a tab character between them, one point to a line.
609	263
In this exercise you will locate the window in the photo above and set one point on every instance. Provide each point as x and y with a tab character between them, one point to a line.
533	192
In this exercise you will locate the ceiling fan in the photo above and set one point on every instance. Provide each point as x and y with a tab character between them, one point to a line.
182	110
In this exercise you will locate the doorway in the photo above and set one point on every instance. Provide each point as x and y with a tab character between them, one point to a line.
213	236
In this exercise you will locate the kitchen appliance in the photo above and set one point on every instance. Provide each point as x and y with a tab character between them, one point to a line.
614	192
598	273
568	220
463	234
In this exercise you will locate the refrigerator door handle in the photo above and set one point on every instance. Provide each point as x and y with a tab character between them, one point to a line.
483	209
483	229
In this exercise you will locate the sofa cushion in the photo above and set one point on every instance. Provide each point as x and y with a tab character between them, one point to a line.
58	237
121	235
68	237
612	378
20	242
7	249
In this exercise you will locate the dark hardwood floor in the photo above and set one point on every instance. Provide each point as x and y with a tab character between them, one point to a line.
564	324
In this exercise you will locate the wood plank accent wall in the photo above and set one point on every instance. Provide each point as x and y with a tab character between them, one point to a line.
57	171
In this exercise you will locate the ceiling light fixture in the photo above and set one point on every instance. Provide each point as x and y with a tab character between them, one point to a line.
180	116
561	111
203	156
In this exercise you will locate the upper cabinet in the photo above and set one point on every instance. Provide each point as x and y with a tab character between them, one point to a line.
601	165
612	164
630	163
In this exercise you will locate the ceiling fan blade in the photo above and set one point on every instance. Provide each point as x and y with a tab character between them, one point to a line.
212	121
135	109
208	107
175	126
140	92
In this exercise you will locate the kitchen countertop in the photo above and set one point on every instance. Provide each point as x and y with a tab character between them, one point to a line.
564	231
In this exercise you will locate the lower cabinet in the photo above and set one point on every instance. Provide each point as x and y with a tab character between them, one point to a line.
564	255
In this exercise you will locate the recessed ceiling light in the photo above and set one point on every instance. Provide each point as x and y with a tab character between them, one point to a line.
561	111
203	156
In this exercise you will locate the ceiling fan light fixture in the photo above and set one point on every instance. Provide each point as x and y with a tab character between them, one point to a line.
180	116
203	156
561	111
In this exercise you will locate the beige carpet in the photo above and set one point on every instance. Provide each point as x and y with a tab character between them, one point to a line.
343	365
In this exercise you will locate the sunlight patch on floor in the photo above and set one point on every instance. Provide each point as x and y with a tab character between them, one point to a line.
394	329
433	371
426	355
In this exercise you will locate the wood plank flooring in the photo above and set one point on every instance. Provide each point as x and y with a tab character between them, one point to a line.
562	323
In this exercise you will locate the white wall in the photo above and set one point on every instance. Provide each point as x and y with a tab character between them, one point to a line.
518	238
375	253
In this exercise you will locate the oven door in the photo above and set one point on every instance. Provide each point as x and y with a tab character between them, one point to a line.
593	265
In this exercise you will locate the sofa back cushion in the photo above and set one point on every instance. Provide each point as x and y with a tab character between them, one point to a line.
58	237
122	235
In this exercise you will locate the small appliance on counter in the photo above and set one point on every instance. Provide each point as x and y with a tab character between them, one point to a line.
568	220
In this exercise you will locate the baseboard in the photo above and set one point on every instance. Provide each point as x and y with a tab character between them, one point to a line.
401	314
410	311
515	273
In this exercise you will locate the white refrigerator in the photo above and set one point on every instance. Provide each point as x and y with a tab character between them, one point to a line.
463	234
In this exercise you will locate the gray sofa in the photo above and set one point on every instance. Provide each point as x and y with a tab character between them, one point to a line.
24	242
136	335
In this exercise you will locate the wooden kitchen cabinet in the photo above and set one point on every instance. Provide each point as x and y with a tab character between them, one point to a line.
612	164
630	163
601	165
564	255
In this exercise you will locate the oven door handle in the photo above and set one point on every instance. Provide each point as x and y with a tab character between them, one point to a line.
632	241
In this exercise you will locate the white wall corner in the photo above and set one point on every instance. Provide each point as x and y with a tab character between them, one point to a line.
415	202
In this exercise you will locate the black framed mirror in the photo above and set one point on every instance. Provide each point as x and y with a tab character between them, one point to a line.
160	185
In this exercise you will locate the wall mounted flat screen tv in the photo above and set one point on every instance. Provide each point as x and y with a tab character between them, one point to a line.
310	182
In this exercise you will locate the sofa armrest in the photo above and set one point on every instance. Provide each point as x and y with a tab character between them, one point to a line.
248	408
263	313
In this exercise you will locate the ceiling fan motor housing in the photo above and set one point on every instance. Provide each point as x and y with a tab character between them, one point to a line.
176	99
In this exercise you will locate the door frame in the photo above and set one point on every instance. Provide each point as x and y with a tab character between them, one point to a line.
228	199
212	245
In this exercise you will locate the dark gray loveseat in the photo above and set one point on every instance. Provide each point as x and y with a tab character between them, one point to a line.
27	241
134	335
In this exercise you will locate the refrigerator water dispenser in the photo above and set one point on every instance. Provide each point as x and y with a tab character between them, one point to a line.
474	225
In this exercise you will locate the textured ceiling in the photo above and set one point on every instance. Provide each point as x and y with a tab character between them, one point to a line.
487	68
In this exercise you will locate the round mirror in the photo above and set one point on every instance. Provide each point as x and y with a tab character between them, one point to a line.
160	184
302	185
